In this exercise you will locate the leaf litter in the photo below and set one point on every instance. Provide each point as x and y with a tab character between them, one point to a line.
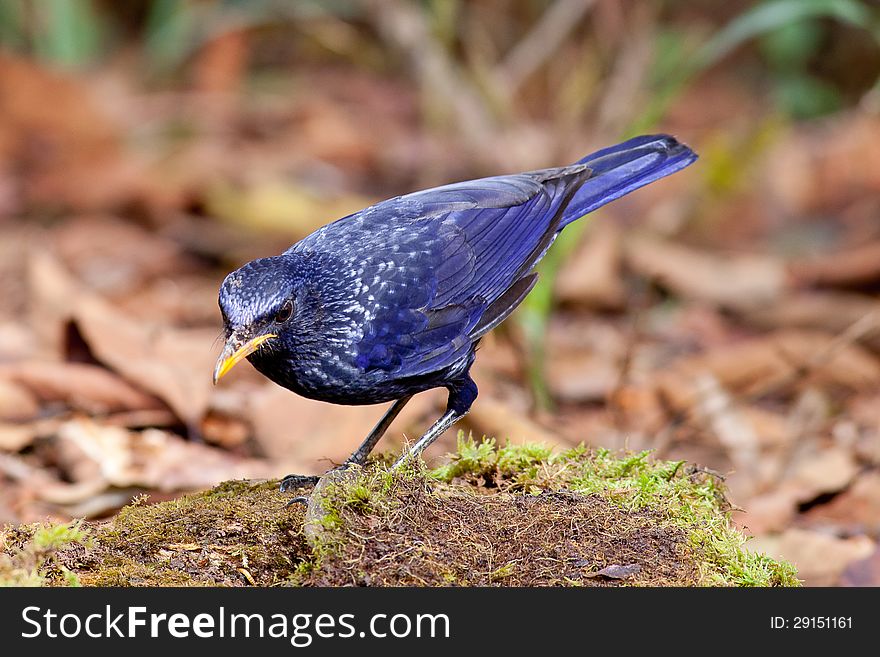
740	345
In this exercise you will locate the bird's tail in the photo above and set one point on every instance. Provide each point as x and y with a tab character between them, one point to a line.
623	168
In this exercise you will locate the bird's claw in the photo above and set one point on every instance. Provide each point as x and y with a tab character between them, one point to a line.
295	482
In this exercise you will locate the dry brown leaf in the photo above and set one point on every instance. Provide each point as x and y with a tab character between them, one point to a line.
494	418
856	509
53	130
13	295
173	364
335	133
585	424
16	401
14	437
16	340
868	447
582	376
142	418
592	275
308	436
768	512
181	301
721	414
865	408
864	572
819	558
280	207
856	266
17	436
641	406
115	257
86	387
764	363
815	170
35	100
616	571
155	459
53	295
732	281
221	63
771	428
865	426
833	312
101	503
40	484
223	430
827	471
807	418
585	357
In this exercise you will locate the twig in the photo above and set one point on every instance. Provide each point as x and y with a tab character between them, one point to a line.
859	329
717	408
542	41
405	25
856	331
634	57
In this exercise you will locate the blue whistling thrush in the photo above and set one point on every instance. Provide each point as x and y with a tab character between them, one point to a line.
393	300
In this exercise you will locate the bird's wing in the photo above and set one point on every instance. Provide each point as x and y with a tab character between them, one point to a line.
448	264
443	266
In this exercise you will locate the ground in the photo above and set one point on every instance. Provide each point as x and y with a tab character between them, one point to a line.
727	316
510	516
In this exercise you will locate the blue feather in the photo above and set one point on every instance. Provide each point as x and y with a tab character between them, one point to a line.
621	169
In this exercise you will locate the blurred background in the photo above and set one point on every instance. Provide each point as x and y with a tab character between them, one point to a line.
727	315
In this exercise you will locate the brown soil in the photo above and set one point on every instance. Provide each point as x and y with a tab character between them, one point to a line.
456	537
242	534
513	516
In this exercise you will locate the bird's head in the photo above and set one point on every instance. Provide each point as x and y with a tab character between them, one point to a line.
257	302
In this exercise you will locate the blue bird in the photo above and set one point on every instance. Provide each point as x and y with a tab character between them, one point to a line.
393	300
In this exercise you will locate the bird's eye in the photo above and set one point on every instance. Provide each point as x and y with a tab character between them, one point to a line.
284	312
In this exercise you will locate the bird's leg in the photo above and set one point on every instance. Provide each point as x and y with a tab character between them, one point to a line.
360	455
446	420
293	481
461	397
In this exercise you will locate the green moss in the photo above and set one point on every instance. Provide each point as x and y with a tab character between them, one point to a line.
239	533
493	516
28	556
482	458
359	491
127	572
684	497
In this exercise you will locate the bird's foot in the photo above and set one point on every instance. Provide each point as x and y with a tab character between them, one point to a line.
295	482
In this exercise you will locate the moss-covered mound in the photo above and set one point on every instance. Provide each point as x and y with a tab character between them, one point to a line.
514	516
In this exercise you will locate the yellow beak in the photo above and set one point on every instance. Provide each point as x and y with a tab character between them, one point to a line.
233	353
